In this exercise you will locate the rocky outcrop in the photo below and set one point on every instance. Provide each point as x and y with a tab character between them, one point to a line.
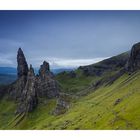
63	104
17	87
113	63
46	86
28	100
93	70
22	68
44	70
27	89
134	58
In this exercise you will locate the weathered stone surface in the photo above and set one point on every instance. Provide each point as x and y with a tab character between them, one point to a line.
28	87
47	86
134	58
63	104
44	71
22	68
17	87
29	96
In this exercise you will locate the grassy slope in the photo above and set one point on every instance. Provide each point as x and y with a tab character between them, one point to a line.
94	111
74	85
81	82
7	109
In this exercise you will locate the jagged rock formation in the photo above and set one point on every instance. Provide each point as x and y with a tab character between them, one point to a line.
134	58
17	87
44	68
22	68
29	87
46	85
28	100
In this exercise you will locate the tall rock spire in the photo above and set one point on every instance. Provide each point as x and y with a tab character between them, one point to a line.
22	68
29	95
28	88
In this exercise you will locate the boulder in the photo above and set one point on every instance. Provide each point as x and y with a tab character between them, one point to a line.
63	104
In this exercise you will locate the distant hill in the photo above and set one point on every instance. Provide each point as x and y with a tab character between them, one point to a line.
12	70
8	74
59	70
7	78
8	70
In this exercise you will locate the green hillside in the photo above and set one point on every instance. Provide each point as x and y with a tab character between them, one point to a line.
114	106
100	96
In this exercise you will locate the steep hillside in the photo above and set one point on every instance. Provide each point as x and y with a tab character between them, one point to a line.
115	106
86	76
105	95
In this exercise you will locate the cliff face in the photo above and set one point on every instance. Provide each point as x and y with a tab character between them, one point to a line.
134	58
130	61
29	87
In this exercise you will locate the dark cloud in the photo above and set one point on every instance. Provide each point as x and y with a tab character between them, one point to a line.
66	38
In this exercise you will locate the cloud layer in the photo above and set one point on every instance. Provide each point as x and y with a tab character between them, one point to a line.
66	38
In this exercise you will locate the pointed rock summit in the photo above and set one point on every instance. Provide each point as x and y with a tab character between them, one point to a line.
22	68
44	70
46	84
30	87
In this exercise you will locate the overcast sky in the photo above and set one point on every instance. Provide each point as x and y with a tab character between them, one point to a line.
66	38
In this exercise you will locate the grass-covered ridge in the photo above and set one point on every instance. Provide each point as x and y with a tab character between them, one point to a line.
110	100
97	110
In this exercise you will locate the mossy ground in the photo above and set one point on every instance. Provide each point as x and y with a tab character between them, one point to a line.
94	111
